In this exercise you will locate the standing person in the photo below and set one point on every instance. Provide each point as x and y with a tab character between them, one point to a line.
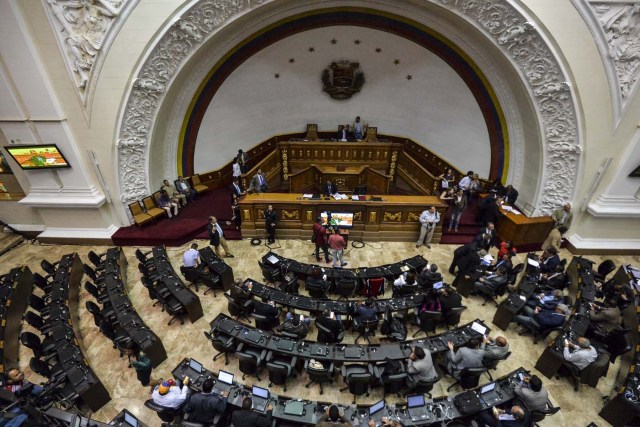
243	160
204	406
216	237
473	188
237	170
359	129
320	240
141	363
259	183
270	221
554	239
236	188
235	212
337	244
429	220
563	216
465	182
165	203
447	179
458	205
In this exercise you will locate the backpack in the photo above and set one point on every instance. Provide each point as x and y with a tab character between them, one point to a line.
468	403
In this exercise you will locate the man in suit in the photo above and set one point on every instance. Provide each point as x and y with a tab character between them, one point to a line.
216	237
510	195
540	319
467	356
488	285
236	187
492	212
583	355
505	262
495	349
513	417
259	183
183	187
554	238
243	160
204	406
267	310
329	188
331	323
563	216
245	417
555	280
605	319
429	276
270	221
532	394
549	260
419	367
342	133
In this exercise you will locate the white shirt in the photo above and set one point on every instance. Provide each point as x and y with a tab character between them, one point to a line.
173	399
236	170
191	258
428	217
182	185
464	183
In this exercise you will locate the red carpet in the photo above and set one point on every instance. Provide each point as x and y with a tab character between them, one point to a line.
467	230
191	223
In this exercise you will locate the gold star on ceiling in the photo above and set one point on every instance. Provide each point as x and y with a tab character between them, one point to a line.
378	50
292	60
409	77
276	75
312	49
334	41
396	61
356	41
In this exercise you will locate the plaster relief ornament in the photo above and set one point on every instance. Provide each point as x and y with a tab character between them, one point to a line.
342	79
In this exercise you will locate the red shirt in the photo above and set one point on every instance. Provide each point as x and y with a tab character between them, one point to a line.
336	242
503	250
321	234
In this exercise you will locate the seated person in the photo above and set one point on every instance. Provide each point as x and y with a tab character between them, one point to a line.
183	187
531	393
582	355
420	367
429	276
13	382
294	324
547	300
507	247
329	188
449	299
333	418
489	285
549	260
174	194
204	406
245	417
494	349
554	280
620	292
539	319
515	416
405	282
166	203
605	319
170	395
330	322
240	291
469	355
366	312
505	262
268	310
317	278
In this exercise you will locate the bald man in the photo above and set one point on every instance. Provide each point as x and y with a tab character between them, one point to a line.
495	349
562	216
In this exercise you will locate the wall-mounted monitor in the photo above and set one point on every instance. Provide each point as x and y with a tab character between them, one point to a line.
31	157
338	219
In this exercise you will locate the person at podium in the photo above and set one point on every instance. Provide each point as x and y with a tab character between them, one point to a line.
329	188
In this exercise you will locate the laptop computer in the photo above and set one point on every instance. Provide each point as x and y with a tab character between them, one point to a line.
253	336
129	420
352	353
438	285
417	407
286	345
490	395
273	260
196	366
477	327
279	296
376	412
294	407
224	381
260	398
227	326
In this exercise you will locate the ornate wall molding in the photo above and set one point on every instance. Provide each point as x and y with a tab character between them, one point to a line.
502	22
616	30
84	30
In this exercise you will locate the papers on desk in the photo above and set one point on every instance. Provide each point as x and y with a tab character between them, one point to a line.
478	328
355	197
307	196
339	196
510	209
404	268
533	262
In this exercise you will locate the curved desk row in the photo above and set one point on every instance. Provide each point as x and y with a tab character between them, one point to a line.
314	305
388	271
175	285
349	353
307	412
511	305
15	288
115	277
62	302
217	266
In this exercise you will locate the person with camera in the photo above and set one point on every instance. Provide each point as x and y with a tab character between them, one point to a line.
14	383
429	220
270	221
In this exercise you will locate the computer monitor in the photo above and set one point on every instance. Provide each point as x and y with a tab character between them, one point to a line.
196	366
415	400
130	420
487	388
338	219
225	377
438	285
260	392
376	407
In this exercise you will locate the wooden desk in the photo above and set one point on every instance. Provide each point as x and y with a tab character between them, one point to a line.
522	230
395	218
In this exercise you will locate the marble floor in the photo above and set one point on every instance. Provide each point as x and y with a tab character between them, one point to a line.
188	340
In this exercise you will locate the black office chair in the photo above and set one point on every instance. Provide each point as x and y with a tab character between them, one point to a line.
289	284
326	335
40	367
452	318
469	378
93	308
167	415
175	309
493	363
142	258
317	290
49	268
424	387
31	340
36	321
270	274
406	290
346	284
319	376
428	322
539	415
618	343
42	283
96	260
280	368
151	289
89	271
266	323
358	379
592	373
238	309
223	344
367	329
607	266
250	360
493	294
38	304
101	297
392	383
149	273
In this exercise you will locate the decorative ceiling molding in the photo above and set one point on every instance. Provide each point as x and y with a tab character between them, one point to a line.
615	26
501	21
84	31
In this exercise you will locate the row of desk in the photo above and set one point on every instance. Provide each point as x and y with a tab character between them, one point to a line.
63	302
438	410
314	305
128	320
15	288
175	285
388	271
217	266
350	353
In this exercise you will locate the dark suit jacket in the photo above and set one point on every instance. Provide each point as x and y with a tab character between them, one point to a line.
550	264
492	213
214	236
329	189
427	278
242	418
270	218
333	325
236	191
